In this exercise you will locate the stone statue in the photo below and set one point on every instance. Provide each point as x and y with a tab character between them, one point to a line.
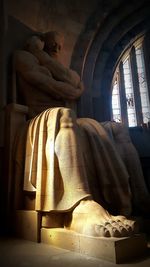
76	166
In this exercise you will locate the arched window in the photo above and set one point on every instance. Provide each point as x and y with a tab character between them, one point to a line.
130	95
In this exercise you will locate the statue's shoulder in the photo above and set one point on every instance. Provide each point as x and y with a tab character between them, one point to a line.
22	55
23	58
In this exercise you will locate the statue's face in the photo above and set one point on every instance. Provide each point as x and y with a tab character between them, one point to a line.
53	45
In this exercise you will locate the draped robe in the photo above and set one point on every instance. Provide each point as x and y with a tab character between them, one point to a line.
97	167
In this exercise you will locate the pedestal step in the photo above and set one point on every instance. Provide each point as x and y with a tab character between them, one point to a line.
116	250
27	225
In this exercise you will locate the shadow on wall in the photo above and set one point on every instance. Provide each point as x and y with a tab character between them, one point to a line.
17	33
141	139
16	37
2	195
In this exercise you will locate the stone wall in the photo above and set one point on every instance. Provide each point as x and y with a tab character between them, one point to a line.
67	16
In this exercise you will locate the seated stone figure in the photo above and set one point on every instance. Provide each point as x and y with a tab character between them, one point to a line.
76	166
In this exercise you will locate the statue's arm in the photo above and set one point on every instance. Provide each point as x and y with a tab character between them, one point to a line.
28	67
59	72
49	85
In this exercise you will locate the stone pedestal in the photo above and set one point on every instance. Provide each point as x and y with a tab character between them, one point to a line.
116	250
27	225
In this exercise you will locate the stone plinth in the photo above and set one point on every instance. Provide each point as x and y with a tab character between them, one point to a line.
26	225
116	250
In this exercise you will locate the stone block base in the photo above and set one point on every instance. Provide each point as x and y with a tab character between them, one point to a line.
26	225
116	250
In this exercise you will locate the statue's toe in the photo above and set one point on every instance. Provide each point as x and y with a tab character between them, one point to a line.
133	225
115	232
113	229
102	231
129	229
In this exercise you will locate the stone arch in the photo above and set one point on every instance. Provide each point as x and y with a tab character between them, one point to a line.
105	37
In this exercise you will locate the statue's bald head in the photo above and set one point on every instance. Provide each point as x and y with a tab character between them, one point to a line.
53	43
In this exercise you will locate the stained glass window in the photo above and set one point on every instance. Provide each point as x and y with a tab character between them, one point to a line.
130	89
129	93
116	101
142	84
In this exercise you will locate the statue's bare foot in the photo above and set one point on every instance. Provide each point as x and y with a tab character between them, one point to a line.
92	219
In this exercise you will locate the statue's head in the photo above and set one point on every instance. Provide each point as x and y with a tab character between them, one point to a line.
53	43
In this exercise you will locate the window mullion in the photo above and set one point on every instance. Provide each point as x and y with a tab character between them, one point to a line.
123	102
146	44
136	89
